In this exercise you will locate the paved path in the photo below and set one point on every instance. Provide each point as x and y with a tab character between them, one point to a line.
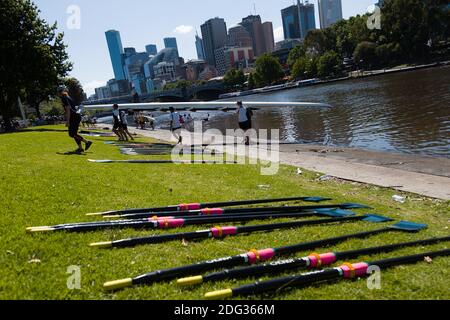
425	176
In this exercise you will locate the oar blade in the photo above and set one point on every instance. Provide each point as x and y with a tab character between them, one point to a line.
376	218
408	226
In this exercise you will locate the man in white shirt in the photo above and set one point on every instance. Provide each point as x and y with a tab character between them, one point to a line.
175	125
245	120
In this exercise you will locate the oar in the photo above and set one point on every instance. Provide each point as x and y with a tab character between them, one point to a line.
220	232
251	257
346	271
224	211
312	261
167	223
197	206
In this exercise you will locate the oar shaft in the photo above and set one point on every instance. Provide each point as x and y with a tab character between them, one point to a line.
311	261
360	269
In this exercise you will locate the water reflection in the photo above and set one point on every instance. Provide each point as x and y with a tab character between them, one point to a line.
404	112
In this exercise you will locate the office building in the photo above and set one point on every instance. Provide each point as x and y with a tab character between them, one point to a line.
253	26
233	57
151	49
170	43
239	36
330	12
103	93
291	22
307	17
115	52
200	48
214	35
269	40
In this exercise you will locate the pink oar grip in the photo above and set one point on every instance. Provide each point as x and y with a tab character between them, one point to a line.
261	255
324	259
356	270
224	231
189	206
170	223
213	211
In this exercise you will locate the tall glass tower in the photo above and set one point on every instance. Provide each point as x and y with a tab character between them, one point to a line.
115	52
170	43
200	48
214	35
307	17
330	11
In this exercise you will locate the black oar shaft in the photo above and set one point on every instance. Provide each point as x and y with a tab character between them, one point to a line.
184	207
334	273
218	232
297	263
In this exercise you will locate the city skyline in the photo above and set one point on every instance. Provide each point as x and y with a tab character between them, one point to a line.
89	51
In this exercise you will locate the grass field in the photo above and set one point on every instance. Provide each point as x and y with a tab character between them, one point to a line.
38	187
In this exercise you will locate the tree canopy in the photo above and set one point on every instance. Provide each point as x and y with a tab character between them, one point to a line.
33	56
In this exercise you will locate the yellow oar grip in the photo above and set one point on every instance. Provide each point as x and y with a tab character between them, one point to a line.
221	294
118	284
190	281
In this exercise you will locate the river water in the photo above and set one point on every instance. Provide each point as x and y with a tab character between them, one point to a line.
404	112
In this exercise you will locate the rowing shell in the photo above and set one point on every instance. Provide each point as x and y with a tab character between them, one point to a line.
206	106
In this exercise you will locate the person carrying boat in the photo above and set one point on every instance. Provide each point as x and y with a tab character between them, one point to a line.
124	121
245	120
117	124
175	125
73	119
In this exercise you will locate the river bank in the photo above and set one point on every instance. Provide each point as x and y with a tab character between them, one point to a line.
422	175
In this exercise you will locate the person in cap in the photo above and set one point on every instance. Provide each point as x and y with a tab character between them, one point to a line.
73	119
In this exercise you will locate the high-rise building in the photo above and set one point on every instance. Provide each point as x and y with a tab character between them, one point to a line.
200	48
239	36
253	26
291	22
115	52
269	40
214	34
307	17
170	43
330	12
151	49
233	57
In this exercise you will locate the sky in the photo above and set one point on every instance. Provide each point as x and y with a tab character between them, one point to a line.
143	22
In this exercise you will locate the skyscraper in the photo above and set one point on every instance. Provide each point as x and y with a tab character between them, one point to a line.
214	34
269	40
115	52
307	17
200	48
253	26
291	22
330	11
151	49
238	36
170	43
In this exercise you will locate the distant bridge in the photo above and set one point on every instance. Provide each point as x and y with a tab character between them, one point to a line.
207	92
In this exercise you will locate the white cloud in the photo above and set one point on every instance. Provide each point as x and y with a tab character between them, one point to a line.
278	34
183	29
89	87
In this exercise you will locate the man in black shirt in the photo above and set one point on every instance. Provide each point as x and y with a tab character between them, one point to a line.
73	119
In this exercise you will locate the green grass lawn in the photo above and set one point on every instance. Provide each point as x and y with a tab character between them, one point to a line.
38	187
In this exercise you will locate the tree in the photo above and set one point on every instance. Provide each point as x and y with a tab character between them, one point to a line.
295	54
75	89
267	70
251	81
234	78
305	68
32	55
329	65
366	54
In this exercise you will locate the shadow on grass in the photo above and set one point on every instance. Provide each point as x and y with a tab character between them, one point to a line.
72	153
